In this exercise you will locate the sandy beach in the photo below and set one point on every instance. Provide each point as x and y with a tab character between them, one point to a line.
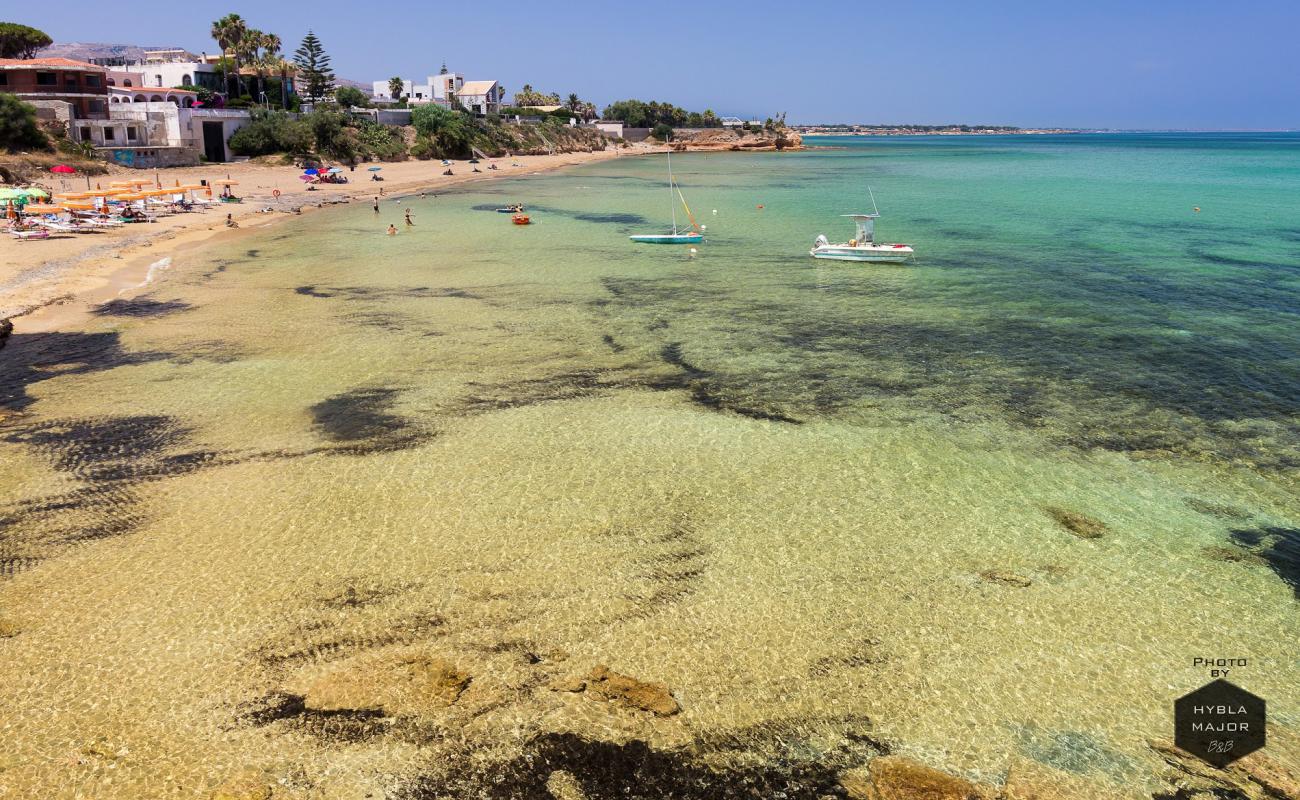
89	267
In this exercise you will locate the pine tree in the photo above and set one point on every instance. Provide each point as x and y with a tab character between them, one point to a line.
315	78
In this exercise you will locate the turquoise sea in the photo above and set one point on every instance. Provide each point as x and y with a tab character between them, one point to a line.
362	514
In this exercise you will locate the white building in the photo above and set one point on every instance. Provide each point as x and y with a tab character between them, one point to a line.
380	91
481	97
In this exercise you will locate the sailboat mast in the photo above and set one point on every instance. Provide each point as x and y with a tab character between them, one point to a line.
672	203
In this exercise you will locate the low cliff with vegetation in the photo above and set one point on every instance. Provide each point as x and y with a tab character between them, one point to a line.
736	139
435	132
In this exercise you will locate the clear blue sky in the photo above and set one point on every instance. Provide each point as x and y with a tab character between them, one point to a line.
1091	63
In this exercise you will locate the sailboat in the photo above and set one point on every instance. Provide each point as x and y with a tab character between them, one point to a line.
693	235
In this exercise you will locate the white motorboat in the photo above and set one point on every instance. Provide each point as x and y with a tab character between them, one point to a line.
862	247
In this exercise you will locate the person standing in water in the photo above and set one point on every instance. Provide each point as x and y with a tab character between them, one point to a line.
392	229
409	222
375	206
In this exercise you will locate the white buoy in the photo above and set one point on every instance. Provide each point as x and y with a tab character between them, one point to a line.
715	211
704	227
693	252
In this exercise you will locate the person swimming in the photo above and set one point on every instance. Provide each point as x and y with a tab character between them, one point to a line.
392	229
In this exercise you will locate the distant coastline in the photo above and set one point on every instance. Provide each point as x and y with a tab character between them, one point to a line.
924	130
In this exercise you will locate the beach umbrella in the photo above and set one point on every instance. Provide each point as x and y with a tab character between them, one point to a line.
63	169
374	169
335	170
228	182
9	194
306	177
311	172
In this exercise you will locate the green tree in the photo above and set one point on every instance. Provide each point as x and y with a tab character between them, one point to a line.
18	128
272	132
315	78
21	41
266	59
663	131
395	87
450	131
349	96
227	32
574	104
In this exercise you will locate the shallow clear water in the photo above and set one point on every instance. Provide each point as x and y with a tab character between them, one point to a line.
807	496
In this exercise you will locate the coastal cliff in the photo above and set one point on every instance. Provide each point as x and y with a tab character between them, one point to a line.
715	139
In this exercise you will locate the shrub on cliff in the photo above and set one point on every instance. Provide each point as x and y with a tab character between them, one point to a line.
18	128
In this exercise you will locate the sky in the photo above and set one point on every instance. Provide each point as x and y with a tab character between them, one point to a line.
1140	64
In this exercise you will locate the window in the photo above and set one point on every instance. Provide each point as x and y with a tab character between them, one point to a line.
92	80
158	78
185	80
4	78
47	79
95	106
131	134
112	82
126	82
109	135
70	80
85	134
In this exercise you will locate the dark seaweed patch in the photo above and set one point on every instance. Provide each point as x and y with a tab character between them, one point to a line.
612	344
636	771
361	422
612	218
561	386
112	456
385	293
1074	751
139	307
357	415
312	291
862	653
341	725
1278	546
33	357
1220	510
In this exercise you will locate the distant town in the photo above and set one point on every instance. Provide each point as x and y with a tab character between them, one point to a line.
848	129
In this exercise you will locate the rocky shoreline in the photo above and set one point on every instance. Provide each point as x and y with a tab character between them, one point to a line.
724	139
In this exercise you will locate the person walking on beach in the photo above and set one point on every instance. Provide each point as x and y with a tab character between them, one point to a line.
409	222
375	206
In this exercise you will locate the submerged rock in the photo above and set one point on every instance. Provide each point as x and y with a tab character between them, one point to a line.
1232	555
1081	525
604	684
901	778
1032	780
1271	775
394	686
1005	578
249	785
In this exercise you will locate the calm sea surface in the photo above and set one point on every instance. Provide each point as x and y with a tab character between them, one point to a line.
981	510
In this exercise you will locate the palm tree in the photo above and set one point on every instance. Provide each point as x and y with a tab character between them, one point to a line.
268	59
228	31
574	103
395	87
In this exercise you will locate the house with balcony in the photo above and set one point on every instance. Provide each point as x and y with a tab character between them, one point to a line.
82	87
